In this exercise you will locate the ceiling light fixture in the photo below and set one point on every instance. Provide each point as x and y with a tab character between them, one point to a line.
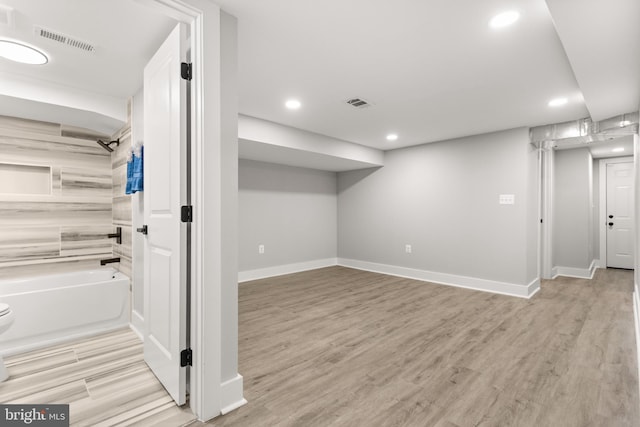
557	102
392	137
20	52
624	123
504	19
618	150
293	104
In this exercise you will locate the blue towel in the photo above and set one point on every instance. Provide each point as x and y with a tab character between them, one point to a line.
127	189
135	169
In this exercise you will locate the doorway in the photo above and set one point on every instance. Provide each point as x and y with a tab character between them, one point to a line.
218	388
573	237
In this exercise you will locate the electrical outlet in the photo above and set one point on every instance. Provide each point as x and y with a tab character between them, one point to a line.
407	248
261	249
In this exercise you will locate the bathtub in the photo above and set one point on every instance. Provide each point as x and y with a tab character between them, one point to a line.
60	307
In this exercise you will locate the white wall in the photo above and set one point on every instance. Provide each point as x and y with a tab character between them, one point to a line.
291	211
595	167
533	212
442	199
227	180
573	221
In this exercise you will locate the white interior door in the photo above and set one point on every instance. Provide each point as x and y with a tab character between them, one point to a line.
164	179
619	215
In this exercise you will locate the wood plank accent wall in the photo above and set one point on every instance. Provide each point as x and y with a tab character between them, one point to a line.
121	202
67	228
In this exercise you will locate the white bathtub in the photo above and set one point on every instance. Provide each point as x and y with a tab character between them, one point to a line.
56	308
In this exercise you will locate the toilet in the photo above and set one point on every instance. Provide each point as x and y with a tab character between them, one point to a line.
6	320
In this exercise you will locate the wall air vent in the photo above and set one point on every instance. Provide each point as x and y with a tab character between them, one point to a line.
59	37
358	103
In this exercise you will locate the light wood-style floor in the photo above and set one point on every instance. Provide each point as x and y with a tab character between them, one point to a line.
342	347
103	379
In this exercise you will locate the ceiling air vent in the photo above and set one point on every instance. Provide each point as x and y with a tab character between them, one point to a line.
358	103
6	16
64	39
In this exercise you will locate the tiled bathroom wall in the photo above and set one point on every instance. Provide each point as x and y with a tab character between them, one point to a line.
121	201
56	196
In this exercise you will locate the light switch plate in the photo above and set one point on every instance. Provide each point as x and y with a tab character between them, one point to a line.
507	199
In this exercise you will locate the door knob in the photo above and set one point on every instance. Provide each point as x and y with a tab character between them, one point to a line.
143	229
610	216
610	224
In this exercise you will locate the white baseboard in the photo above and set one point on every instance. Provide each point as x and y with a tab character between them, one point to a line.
580	273
279	270
533	287
231	395
137	324
599	264
512	289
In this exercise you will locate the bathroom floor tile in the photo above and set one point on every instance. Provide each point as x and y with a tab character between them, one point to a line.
40	362
114	381
65	393
103	379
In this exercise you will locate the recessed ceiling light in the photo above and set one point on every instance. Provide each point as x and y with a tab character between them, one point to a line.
392	137
618	150
20	52
504	19
558	102
293	104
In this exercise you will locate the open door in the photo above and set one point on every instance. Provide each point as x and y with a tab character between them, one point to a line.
165	284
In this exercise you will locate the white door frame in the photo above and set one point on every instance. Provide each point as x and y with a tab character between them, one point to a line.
602	209
205	374
636	203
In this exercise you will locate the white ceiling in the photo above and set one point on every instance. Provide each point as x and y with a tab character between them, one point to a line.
124	32
432	69
601	149
606	57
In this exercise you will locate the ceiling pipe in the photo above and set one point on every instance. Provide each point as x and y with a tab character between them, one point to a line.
585	130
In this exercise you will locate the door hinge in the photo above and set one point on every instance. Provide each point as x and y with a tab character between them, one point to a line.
186	356
186	70
186	213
